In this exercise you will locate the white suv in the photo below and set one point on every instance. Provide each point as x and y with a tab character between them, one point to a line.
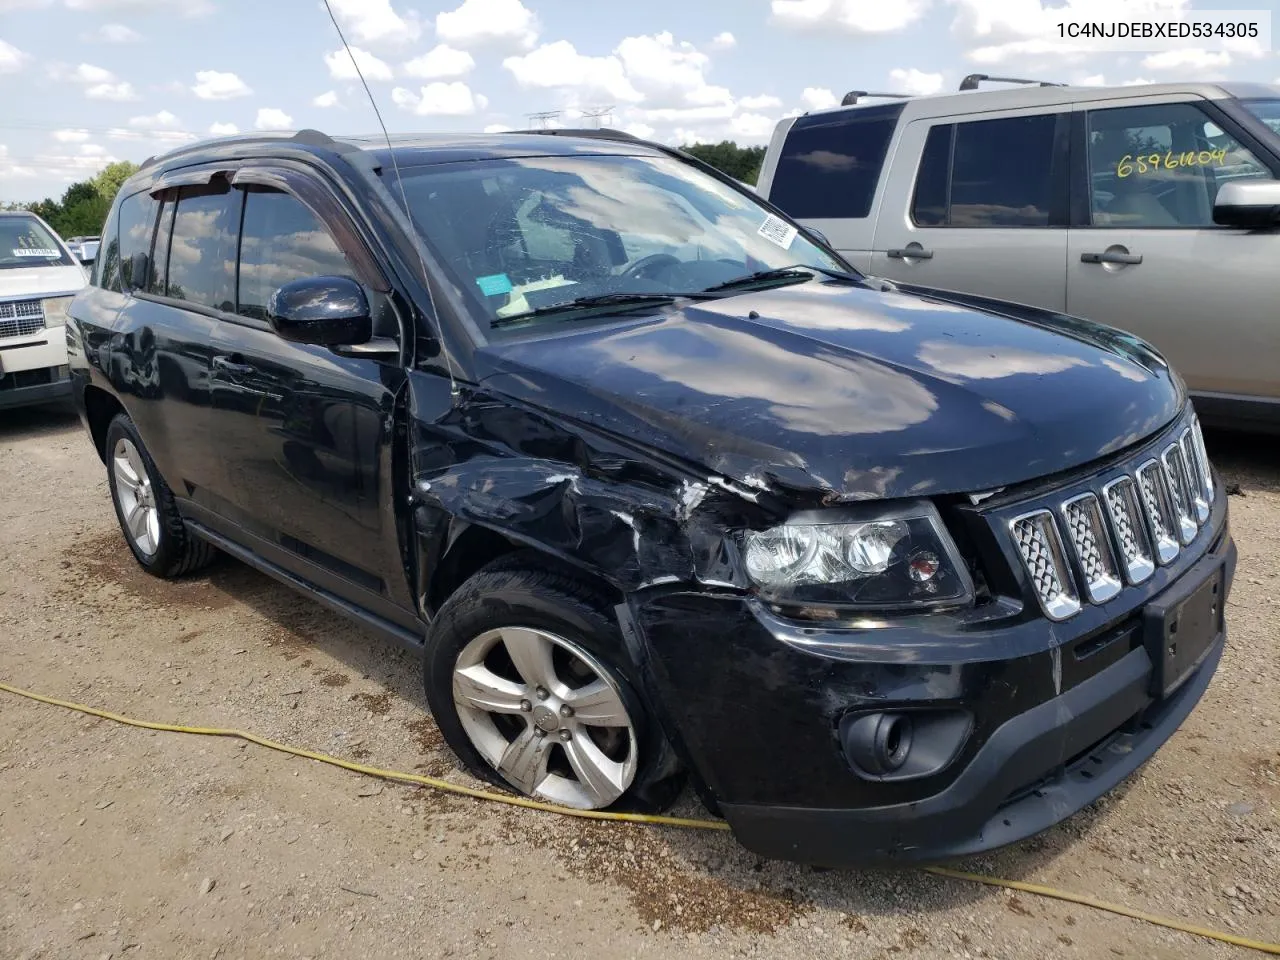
1154	209
38	278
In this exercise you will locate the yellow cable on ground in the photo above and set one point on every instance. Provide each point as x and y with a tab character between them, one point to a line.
445	785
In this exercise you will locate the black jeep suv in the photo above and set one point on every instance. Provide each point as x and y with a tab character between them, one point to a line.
658	485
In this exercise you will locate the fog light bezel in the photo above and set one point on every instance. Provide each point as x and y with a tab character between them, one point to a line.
892	744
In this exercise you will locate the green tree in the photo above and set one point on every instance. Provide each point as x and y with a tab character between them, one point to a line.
112	178
741	163
85	204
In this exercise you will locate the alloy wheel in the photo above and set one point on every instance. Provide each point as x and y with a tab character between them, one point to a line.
547	716
136	497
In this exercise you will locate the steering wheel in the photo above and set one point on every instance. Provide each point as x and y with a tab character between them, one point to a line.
639	269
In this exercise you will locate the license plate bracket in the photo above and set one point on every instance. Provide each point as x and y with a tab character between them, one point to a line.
1180	629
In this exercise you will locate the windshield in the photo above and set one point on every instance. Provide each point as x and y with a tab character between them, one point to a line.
1268	111
536	233
26	242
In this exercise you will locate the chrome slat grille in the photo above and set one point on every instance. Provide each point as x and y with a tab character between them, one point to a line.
1125	514
1036	536
1087	533
21	318
1155	501
1105	540
1175	475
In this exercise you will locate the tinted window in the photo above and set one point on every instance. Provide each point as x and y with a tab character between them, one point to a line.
159	263
281	241
202	254
1161	166
929	205
137	221
830	164
106	269
1002	171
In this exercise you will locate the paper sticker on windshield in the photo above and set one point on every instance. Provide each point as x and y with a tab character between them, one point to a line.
776	230
494	285
36	252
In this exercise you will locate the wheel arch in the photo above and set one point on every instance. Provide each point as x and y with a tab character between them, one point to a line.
100	408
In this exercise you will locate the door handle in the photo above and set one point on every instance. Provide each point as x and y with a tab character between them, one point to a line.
1111	256
230	366
913	251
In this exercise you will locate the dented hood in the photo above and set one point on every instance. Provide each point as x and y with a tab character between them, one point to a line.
849	391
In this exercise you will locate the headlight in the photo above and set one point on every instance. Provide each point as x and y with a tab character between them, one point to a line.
900	556
55	310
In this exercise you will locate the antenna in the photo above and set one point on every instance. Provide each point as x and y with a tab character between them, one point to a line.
542	120
599	114
453	382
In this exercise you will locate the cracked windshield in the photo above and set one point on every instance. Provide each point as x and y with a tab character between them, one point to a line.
542	237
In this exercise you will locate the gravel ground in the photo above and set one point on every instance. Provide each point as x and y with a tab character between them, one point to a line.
126	843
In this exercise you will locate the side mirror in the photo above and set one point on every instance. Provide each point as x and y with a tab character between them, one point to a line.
325	311
1248	203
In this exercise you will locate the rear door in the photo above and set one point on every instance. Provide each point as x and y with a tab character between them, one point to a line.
306	434
1146	256
979	206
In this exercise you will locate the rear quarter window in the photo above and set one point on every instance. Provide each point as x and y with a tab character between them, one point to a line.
830	164
137	222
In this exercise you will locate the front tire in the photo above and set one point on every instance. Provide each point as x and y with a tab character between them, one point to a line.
528	680
148	514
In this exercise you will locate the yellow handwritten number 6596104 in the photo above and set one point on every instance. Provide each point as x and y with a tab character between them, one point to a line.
1169	160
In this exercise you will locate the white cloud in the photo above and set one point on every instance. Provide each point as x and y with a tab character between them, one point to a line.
440	100
751	126
115	33
1136	82
271	118
120	92
852	16
819	98
1189	59
765	101
641	130
70	136
164	120
218	85
915	81
439	63
11	58
341	67
665	70
84	73
497	128
150	136
560	65
223	129
724	41
327	99
375	22
480	22
92	150
1093	80
189	8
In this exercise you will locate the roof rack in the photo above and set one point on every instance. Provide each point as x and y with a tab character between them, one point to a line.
853	96
596	133
972	80
306	137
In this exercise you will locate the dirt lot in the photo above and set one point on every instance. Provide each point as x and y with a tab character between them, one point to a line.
125	843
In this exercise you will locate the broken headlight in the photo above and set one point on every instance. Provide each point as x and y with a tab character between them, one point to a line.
897	556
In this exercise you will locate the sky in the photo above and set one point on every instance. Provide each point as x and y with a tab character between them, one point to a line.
87	82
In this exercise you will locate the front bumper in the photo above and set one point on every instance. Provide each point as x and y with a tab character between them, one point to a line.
1061	713
33	369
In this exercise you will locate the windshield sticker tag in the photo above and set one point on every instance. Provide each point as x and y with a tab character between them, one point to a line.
35	252
776	230
494	285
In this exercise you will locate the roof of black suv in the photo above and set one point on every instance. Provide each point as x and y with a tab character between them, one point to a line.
410	149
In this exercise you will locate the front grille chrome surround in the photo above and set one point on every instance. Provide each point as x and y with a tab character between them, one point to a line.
1154	492
1087	536
1035	535
1125	513
1200	494
1175	474
1202	458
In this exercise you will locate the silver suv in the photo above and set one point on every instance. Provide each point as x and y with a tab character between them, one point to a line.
1155	209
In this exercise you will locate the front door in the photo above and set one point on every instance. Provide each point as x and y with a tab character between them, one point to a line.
1149	258
985	211
307	434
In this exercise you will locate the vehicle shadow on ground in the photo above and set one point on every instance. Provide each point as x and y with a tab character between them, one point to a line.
1250	460
26	422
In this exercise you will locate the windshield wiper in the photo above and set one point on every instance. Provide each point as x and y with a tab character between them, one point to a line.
797	271
619	300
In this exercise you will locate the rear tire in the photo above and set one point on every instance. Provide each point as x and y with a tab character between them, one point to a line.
148	514
529	682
